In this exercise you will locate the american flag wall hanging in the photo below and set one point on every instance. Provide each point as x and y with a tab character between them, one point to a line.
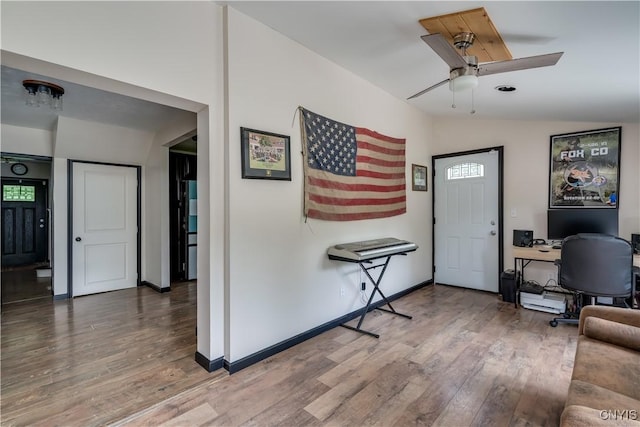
351	173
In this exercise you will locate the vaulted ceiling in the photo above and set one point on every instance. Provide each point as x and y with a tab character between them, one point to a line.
596	80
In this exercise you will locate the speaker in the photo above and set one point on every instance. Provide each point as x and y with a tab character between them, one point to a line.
523	238
635	242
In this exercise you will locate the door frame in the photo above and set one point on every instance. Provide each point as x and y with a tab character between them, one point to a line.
70	233
500	150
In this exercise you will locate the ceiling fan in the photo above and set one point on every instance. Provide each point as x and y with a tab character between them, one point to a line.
465	70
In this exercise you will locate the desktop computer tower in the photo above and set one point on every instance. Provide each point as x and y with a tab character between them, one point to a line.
508	283
523	238
635	242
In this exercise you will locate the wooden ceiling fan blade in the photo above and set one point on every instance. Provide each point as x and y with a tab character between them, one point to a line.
519	64
422	92
448	53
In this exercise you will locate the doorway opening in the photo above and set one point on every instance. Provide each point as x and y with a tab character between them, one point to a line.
26	231
183	207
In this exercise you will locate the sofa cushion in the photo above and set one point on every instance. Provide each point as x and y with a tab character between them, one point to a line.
609	366
612	332
591	395
581	416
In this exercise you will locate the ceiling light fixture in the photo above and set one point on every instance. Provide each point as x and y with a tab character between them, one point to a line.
462	83
43	93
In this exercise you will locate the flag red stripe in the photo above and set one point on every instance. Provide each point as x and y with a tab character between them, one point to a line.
313	213
324	183
339	201
379	149
372	174
381	137
379	162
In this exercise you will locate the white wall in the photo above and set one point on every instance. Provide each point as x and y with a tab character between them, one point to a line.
155	204
281	282
17	139
97	142
166	52
526	171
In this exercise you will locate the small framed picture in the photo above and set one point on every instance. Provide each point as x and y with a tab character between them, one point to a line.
265	155
418	178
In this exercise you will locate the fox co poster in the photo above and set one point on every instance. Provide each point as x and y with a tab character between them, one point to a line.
585	169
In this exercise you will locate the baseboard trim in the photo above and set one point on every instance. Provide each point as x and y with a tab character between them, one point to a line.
155	287
209	365
238	365
60	296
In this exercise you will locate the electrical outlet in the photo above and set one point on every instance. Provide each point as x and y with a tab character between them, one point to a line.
341	291
363	286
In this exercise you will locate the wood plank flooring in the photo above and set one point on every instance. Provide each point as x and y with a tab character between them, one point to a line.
98	358
466	359
127	358
22	284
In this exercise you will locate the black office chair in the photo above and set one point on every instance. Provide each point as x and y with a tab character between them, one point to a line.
594	265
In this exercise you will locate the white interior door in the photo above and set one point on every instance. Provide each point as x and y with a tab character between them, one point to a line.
104	239
467	219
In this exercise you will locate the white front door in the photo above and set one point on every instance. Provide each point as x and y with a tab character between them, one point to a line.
105	227
467	219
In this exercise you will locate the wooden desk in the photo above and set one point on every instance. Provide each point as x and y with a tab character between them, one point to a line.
535	254
523	256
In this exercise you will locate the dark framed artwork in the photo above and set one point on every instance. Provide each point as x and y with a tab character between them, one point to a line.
265	155
585	169
418	178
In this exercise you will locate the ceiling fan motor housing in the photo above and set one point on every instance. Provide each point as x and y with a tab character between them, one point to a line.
463	40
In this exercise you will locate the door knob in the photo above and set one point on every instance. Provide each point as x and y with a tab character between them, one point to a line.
78	239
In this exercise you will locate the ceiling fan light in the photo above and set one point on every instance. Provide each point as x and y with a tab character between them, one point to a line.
462	83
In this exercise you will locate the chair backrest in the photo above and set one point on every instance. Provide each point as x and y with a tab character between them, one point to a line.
597	264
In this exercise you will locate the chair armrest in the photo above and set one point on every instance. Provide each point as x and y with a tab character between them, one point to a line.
615	314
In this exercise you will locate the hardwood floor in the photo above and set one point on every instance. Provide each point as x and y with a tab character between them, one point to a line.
98	358
22	284
466	359
127	358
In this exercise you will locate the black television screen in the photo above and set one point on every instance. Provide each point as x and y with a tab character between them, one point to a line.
567	222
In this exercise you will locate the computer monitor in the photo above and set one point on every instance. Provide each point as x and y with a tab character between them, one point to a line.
567	222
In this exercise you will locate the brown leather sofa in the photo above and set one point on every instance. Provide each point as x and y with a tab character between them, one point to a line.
605	383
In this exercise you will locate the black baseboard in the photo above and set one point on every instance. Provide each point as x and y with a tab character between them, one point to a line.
283	345
156	287
209	365
60	296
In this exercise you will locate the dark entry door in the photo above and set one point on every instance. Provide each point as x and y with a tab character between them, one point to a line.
24	221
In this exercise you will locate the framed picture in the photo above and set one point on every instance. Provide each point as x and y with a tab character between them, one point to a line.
265	155
418	178
585	169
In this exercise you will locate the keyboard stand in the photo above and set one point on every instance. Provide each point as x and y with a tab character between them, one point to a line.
376	288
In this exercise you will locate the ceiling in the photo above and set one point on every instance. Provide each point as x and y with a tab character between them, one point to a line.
596	80
80	102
